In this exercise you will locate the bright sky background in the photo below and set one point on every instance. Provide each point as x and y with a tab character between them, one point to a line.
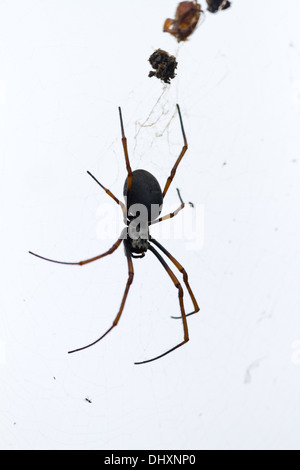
65	67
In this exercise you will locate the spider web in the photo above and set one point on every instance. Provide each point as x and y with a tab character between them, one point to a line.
66	67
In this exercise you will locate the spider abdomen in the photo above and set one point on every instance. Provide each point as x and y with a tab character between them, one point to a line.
145	196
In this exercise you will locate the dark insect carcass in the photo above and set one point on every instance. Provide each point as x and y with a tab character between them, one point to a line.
164	65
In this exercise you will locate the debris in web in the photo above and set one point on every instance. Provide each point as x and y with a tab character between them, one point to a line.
164	65
215	5
186	19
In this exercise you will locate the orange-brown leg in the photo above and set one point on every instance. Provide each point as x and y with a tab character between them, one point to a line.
116	320
180	295
183	272
120	203
172	214
90	260
124	142
184	149
169	216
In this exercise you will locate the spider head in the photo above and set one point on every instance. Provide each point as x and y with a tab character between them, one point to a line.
138	246
138	235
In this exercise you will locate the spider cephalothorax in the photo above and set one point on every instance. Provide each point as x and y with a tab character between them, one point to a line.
138	237
142	208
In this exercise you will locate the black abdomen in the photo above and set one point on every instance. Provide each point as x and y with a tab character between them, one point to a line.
145	190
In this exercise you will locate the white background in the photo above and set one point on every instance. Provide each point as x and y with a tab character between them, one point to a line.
65	67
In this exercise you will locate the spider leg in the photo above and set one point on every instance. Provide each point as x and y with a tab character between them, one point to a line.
124	142
180	295
110	194
183	272
184	149
81	263
116	320
172	214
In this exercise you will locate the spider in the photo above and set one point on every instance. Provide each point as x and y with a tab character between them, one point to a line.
186	19
142	208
